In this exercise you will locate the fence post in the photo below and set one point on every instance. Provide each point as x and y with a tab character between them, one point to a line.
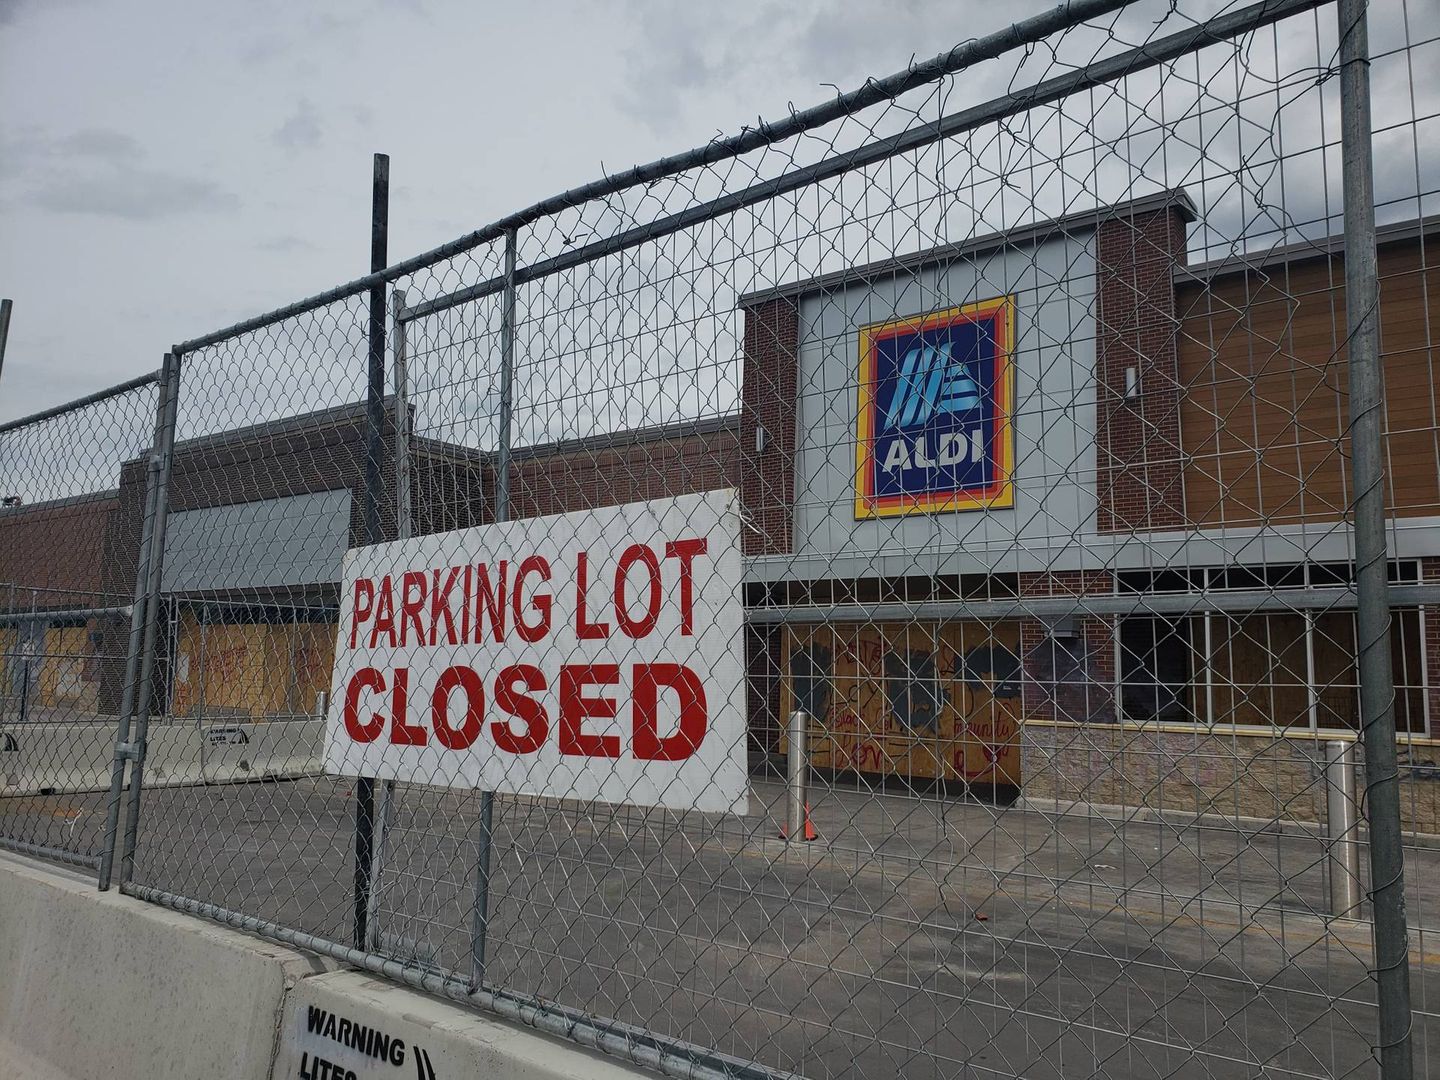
374	428
5	308
171	386
1342	828
404	527
480	913
1377	683
124	749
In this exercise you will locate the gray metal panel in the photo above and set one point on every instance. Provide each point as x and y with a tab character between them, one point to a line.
1054	289
300	540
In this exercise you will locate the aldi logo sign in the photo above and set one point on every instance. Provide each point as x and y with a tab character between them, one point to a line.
933	425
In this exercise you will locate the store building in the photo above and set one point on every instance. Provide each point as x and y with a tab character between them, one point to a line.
958	469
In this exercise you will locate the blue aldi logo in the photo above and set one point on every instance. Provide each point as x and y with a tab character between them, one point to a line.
936	395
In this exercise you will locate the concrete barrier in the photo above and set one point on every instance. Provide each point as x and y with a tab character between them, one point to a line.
76	757
55	757
100	985
280	748
96	984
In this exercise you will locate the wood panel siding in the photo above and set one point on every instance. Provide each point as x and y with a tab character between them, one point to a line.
1264	411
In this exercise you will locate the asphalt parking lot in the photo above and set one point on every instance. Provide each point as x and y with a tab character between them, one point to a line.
928	936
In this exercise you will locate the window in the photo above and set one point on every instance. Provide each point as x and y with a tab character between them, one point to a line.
1284	668
1157	669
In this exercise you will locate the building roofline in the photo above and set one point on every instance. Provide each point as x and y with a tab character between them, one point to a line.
334	416
610	440
58	504
1040	232
1303	250
613	440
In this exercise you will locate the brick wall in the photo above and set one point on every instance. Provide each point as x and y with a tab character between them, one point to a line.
767	479
661	466
452	488
316	452
58	547
1137	440
53	555
312	453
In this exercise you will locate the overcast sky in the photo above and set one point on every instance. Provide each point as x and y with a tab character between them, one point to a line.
167	168
170	167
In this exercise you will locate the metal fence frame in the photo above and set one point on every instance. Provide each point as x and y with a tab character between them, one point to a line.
1370	598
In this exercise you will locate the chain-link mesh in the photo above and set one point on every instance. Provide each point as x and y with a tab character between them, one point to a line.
1029	384
65	616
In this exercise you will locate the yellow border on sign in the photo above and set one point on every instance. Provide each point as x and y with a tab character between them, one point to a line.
1002	492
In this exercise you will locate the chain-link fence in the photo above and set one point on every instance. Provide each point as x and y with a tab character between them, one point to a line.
1077	598
67	615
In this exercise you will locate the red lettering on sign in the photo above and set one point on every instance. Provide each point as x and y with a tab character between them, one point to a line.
540	603
457	678
413	589
641	627
401	733
522	707
362	607
585	630
465	604
685	551
576	708
490	600
649	678
364	679
440	606
384	614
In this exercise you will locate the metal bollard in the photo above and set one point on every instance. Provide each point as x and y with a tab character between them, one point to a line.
1342	828
25	692
797	777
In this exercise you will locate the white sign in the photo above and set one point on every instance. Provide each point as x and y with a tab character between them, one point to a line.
341	1026
593	655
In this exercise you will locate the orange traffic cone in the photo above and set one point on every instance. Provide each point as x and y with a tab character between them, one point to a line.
810	833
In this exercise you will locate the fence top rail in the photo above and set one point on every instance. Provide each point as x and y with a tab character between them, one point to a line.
1109	69
1029	31
81	402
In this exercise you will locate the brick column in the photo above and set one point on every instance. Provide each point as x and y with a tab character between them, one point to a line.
1137	439
1080	688
767	397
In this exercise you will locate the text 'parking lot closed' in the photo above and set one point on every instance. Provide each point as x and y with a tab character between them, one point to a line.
592	655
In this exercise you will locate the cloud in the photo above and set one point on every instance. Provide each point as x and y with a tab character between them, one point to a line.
133	195
288	242
302	130
666	64
677	57
11	10
104	143
262	50
102	171
32	149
